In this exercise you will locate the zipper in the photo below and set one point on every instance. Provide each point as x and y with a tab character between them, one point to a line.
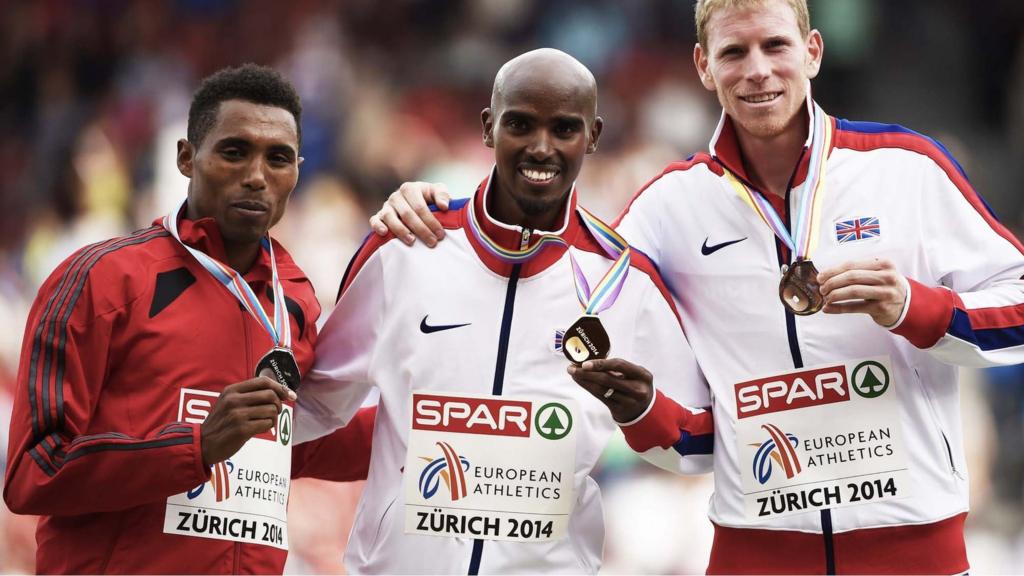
499	368
784	255
938	426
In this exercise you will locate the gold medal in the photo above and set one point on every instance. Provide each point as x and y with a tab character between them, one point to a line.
586	340
799	289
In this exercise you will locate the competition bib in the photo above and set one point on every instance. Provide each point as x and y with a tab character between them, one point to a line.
494	468
246	498
822	437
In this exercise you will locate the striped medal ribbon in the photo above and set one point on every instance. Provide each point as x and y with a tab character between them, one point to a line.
799	289
278	363
586	338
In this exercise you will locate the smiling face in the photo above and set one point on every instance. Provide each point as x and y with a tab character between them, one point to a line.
243	171
541	123
760	65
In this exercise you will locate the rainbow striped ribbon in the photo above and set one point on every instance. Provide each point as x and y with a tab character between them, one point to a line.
280	329
805	237
605	292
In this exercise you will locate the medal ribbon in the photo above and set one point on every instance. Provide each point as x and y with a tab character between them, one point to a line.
280	330
804	239
606	291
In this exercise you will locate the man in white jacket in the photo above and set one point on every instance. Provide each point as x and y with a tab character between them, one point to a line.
838	446
483	444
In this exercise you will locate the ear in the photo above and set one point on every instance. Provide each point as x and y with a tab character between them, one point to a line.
299	161
186	156
487	121
815	50
595	135
700	61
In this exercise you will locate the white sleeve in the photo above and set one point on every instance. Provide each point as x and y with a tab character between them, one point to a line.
339	381
969	310
676	432
641	221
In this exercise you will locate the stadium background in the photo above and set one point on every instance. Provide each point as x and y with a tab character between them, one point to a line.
94	94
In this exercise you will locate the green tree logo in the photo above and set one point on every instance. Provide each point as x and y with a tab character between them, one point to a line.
553	421
870	379
284	427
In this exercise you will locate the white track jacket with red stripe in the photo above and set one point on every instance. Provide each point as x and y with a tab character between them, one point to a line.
892	194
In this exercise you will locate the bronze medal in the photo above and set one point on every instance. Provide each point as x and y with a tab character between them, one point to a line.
799	289
279	364
586	340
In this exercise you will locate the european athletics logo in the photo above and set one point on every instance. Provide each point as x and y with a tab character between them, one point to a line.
220	479
450	467
781	448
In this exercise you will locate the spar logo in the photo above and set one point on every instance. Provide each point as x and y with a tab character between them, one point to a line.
465	415
220	482
780	448
450	467
801	389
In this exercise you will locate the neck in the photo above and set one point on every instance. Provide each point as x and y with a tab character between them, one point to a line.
241	257
506	210
770	160
240	254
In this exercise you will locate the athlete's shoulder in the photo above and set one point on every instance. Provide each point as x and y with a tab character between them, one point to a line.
119	254
867	136
451	219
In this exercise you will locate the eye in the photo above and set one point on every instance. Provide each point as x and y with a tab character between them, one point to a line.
566	129
516	125
232	153
280	159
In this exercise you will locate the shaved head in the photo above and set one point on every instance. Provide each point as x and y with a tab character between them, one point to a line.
541	122
546	70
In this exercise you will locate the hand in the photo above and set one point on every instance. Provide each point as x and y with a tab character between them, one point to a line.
632	386
872	287
405	213
242	411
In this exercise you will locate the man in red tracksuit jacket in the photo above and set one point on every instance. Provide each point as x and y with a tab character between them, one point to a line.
140	433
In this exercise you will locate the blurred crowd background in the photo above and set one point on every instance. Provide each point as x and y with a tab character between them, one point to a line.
95	93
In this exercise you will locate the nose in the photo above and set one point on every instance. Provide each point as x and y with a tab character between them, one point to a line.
255	177
758	66
540	148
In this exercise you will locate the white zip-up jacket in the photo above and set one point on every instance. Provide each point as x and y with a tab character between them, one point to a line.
890	193
457	321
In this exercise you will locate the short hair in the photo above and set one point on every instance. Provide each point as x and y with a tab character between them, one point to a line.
248	82
704	9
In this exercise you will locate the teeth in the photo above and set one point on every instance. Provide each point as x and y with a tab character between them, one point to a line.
758	98
539	175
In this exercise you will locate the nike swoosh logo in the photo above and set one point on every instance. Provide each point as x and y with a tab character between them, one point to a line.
708	250
428	329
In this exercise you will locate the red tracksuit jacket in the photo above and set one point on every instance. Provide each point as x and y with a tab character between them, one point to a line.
96	445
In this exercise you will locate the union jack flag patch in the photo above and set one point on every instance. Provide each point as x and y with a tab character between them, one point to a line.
857	229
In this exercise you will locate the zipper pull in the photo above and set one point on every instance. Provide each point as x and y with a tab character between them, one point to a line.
525	240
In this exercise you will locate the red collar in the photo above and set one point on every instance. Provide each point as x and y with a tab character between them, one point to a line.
204	235
510	236
725	148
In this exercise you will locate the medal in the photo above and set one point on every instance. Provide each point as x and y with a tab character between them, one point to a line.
279	364
799	289
586	340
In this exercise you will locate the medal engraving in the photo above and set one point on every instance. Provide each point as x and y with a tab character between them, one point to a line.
586	340
279	364
799	289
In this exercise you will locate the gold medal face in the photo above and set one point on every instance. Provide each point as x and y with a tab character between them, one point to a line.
586	340
799	289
